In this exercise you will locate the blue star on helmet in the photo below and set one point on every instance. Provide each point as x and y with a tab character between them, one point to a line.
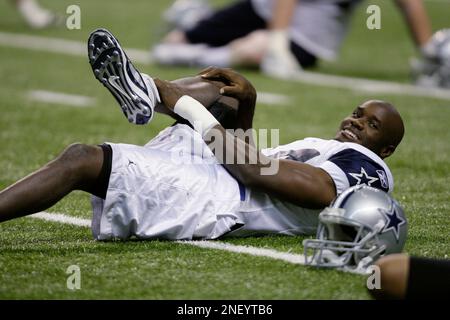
363	177
394	221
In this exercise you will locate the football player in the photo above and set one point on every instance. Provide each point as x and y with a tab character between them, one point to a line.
179	185
279	36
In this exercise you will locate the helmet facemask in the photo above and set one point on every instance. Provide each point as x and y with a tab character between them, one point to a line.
343	243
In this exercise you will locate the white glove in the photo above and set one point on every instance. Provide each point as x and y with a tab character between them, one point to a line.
278	60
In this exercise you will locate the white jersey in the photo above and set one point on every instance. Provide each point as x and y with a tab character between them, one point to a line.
318	26
347	163
174	188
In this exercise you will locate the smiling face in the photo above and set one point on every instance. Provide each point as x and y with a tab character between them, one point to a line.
375	125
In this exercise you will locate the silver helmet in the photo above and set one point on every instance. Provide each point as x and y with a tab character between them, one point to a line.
361	225
433	68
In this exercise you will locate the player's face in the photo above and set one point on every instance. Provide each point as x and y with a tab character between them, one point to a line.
365	126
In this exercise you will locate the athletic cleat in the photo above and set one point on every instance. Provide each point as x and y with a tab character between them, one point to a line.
136	93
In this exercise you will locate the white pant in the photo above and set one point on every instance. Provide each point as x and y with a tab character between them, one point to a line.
171	188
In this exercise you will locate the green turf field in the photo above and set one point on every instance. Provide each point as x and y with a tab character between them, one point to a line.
35	254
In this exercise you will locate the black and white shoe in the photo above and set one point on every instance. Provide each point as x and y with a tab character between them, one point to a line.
136	93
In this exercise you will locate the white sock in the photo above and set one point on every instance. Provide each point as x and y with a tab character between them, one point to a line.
177	53
153	90
192	55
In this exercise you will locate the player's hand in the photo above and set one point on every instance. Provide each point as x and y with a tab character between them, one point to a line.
169	92
236	85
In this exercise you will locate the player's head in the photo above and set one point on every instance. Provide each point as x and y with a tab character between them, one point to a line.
376	125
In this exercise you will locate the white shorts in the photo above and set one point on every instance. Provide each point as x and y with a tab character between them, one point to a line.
171	188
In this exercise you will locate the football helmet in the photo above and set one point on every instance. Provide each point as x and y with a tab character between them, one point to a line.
361	225
433	69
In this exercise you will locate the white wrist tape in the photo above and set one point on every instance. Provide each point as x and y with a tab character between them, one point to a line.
197	115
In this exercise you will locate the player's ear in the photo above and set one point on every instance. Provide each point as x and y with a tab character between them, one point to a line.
387	151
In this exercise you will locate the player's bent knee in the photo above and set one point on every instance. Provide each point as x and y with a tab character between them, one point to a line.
82	160
77	152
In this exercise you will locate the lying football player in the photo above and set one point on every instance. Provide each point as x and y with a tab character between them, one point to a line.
180	186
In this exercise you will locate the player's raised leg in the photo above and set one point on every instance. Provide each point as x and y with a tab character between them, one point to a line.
135	92
76	168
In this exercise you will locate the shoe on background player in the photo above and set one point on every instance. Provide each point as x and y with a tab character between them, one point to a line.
432	69
135	92
36	16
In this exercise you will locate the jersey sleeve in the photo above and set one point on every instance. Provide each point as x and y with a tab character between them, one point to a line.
350	167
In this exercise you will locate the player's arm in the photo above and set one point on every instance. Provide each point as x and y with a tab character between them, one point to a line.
236	86
417	20
283	10
208	89
278	59
297	182
207	92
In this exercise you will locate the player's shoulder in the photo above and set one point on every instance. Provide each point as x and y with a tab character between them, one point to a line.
362	166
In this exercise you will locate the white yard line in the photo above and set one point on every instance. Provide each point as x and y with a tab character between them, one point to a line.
58	45
60	98
78	48
62	218
371	86
260	252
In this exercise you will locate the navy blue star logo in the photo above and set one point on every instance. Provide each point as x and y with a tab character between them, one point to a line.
394	221
363	177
